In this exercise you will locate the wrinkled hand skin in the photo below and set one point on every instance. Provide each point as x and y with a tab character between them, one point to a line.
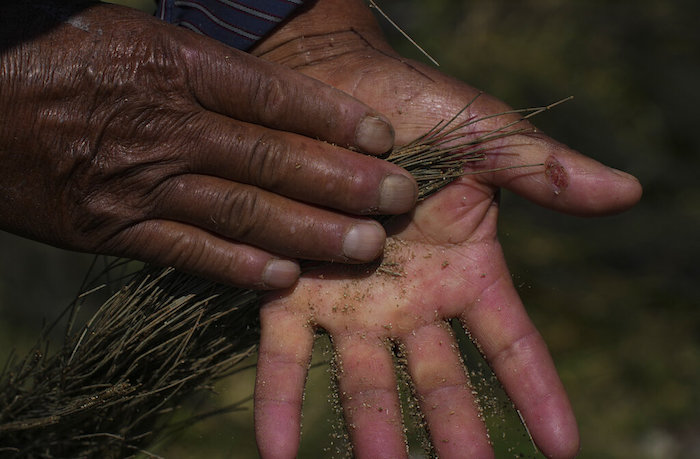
123	135
448	258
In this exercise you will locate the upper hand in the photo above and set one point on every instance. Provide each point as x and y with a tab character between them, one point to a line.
448	254
124	135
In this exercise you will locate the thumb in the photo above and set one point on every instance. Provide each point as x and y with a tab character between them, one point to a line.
519	157
564	180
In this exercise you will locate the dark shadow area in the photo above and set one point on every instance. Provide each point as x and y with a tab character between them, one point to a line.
25	21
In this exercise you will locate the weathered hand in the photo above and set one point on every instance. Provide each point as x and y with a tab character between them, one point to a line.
121	134
450	262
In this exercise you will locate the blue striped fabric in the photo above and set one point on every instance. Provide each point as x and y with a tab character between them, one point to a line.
238	23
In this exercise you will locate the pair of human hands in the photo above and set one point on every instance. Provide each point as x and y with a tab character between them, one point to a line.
123	135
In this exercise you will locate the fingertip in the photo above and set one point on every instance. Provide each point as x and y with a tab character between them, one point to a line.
552	424
364	241
280	273
563	442
630	188
605	191
276	432
566	450
374	134
398	194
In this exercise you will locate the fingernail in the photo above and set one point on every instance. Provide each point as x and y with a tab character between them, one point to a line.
374	135
280	273
397	195
364	241
623	174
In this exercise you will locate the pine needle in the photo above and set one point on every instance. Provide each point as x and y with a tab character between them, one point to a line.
374	5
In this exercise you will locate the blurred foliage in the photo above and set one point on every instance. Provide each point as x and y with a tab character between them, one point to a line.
615	298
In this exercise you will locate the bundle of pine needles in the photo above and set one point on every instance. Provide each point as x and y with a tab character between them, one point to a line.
164	335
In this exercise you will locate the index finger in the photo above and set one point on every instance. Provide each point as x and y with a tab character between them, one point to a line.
247	88
518	355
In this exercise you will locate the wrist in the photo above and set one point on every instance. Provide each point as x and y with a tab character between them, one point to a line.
323	28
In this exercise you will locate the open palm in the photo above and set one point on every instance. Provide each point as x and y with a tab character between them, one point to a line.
443	261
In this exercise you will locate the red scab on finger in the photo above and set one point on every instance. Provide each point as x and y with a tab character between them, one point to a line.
556	174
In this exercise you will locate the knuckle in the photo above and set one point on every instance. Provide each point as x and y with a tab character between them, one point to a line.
241	213
186	252
183	251
192	254
195	255
512	349
265	162
110	199
353	188
271	94
97	217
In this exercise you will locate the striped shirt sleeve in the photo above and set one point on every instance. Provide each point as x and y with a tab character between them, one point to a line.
238	23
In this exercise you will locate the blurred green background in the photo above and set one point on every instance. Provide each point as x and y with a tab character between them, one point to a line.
616	298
